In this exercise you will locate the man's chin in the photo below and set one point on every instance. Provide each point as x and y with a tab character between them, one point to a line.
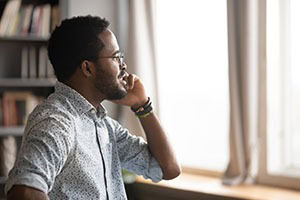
120	94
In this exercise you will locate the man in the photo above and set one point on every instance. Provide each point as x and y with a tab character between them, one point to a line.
71	149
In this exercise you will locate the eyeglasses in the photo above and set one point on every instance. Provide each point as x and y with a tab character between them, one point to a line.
119	58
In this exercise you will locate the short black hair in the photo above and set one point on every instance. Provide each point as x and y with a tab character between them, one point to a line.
75	40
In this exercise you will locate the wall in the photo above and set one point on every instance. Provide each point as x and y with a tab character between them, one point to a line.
102	8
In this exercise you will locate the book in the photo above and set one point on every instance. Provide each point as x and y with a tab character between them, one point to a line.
42	67
12	27
55	17
17	106
24	62
11	9
45	21
9	111
20	21
35	20
27	19
32	62
5	111
1	112
21	112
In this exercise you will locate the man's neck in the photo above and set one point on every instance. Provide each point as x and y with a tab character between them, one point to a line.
87	90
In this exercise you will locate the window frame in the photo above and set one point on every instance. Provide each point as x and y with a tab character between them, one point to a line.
263	176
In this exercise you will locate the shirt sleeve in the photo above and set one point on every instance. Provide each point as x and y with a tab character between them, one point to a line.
135	156
44	150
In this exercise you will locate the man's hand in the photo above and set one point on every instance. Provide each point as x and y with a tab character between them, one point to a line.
22	192
157	139
136	95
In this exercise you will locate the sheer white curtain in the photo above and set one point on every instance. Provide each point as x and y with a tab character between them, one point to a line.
140	53
246	57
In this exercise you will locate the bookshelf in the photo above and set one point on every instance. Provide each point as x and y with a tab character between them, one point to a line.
24	67
26	75
27	83
28	39
11	131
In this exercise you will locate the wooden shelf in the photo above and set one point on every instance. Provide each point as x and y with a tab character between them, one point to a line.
18	82
28	38
212	185
12	131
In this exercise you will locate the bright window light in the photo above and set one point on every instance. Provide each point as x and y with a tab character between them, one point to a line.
193	79
283	87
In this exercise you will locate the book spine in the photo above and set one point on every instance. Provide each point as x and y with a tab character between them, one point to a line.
36	18
42	62
32	63
1	112
45	21
24	62
5	109
10	10
25	27
55	17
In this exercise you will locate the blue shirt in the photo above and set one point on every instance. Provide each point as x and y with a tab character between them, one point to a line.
70	150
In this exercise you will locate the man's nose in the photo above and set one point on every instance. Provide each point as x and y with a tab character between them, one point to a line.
123	66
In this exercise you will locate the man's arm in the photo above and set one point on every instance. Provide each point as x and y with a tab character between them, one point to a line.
160	147
21	192
40	158
157	140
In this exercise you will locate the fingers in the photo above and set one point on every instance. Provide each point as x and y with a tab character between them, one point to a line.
130	82
126	80
131	79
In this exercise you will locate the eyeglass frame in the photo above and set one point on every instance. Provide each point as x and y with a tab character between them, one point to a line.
120	58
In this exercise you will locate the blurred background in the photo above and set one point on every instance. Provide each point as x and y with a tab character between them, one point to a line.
223	75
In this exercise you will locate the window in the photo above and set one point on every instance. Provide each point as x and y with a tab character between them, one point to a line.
283	87
193	79
280	163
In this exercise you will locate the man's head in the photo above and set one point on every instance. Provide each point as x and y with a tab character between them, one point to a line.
85	43
74	41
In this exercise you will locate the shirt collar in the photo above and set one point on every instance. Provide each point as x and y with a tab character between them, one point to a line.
80	103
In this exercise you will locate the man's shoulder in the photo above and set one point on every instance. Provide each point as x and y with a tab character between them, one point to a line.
52	108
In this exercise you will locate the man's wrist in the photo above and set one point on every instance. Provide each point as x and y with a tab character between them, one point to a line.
144	110
140	104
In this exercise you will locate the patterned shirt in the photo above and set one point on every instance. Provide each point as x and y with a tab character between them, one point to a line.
70	150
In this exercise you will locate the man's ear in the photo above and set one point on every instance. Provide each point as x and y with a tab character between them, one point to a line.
87	68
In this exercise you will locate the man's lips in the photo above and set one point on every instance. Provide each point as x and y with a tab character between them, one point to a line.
123	75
